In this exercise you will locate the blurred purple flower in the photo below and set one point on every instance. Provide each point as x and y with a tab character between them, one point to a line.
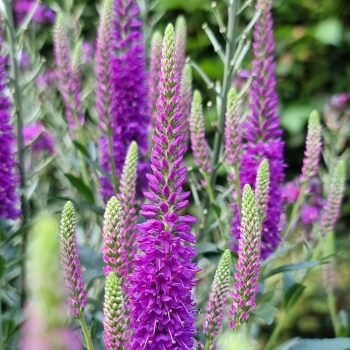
338	101
25	61
290	192
47	79
88	51
241	78
42	14
309	214
35	136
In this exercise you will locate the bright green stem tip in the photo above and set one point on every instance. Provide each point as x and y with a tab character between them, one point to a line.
339	173
232	96
314	120
180	25
77	57
187	74
157	38
224	264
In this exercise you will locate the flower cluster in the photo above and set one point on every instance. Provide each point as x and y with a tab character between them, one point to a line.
128	95
261	131
42	14
163	276
39	139
9	178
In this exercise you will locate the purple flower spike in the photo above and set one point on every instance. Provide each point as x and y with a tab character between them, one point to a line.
199	145
68	76
247	267
334	199
40	140
129	106
261	131
154	69
163	312
70	261
9	177
233	134
217	298
313	149
102	67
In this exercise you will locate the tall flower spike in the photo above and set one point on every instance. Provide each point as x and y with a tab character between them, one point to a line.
217	298
154	69
233	134
329	271
186	95
261	131
9	177
128	96
113	250
70	261
68	84
262	188
200	148
128	202
313	148
334	199
247	267
113	323
46	312
102	66
163	276
181	37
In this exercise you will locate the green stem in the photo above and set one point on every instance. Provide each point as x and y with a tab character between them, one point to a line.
296	207
230	49
87	335
332	311
111	160
20	146
81	140
212	201
207	344
238	189
276	332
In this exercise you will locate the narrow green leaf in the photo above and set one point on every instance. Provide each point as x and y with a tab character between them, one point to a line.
292	295
293	267
289	211
316	344
205	247
2	266
216	209
81	148
81	187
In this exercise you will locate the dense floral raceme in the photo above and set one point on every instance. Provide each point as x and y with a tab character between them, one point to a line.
9	178
262	134
334	199
163	312
313	148
41	15
180	40
44	326
262	187
102	66
129	106
69	84
127	198
70	262
114	316
217	298
200	149
247	267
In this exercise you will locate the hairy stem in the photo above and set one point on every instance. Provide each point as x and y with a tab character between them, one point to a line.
87	335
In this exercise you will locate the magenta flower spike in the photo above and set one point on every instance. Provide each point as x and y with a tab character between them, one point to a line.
313	149
102	66
70	261
200	149
129	106
154	70
217	298
335	195
9	177
261	131
67	75
247	267
163	314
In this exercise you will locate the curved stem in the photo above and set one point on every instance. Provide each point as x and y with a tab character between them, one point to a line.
207	344
276	332
332	311
87	335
